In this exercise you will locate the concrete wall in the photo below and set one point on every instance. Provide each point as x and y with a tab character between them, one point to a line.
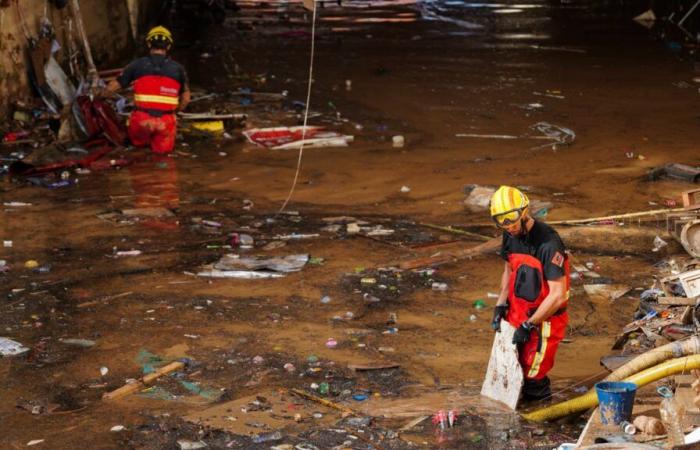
108	24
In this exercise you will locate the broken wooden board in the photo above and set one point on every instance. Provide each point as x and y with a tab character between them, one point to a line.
614	362
677	301
504	376
646	404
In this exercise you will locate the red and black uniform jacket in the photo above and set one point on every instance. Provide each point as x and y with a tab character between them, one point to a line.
158	83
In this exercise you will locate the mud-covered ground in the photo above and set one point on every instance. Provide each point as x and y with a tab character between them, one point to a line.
421	71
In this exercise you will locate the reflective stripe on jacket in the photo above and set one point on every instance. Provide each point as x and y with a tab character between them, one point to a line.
157	92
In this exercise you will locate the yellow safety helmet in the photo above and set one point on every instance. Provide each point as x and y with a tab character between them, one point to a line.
159	37
507	205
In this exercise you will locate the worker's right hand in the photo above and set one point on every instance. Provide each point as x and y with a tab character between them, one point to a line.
499	313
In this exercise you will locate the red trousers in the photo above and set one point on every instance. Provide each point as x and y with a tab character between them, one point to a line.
537	354
155	132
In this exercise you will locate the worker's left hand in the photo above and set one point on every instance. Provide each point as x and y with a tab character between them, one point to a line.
522	334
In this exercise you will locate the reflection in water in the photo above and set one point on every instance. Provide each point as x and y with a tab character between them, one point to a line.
155	184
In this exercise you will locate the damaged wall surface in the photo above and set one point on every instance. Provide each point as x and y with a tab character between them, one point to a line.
111	25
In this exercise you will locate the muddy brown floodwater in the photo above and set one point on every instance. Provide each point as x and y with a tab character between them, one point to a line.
427	72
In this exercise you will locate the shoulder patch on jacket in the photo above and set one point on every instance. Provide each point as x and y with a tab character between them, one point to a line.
558	259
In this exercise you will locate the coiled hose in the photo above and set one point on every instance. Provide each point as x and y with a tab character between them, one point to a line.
631	372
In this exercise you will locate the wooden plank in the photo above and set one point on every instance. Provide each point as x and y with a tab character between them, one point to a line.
413	423
142	383
594	428
504	376
677	301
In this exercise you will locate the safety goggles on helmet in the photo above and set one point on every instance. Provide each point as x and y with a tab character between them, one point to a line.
509	217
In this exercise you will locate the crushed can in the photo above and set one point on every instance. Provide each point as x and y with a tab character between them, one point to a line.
451	417
440	418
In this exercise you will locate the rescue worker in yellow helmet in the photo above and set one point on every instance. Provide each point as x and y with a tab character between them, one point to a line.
160	90
534	287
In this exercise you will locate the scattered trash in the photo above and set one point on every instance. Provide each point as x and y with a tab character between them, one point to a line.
445	419
397	141
682	172
478	197
649	425
31	264
560	135
267	437
672	415
646	19
127	253
690	281
439	286
104	371
658	244
190	445
331	343
290	138
8	347
117	428
78	342
16	204
234	266
628	428
35	442
405	189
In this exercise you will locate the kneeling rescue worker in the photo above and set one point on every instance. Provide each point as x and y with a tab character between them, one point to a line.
160	90
534	288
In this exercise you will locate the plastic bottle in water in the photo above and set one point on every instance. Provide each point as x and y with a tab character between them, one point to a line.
671	415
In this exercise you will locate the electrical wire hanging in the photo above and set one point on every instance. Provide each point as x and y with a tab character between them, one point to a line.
306	112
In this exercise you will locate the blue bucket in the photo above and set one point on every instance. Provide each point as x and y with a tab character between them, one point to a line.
616	399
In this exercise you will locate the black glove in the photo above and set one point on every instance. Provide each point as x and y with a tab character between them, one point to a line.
522	334
499	312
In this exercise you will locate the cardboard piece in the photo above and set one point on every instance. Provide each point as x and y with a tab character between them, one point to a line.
504	376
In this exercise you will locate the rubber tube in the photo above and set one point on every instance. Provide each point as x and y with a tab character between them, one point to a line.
677	349
590	399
